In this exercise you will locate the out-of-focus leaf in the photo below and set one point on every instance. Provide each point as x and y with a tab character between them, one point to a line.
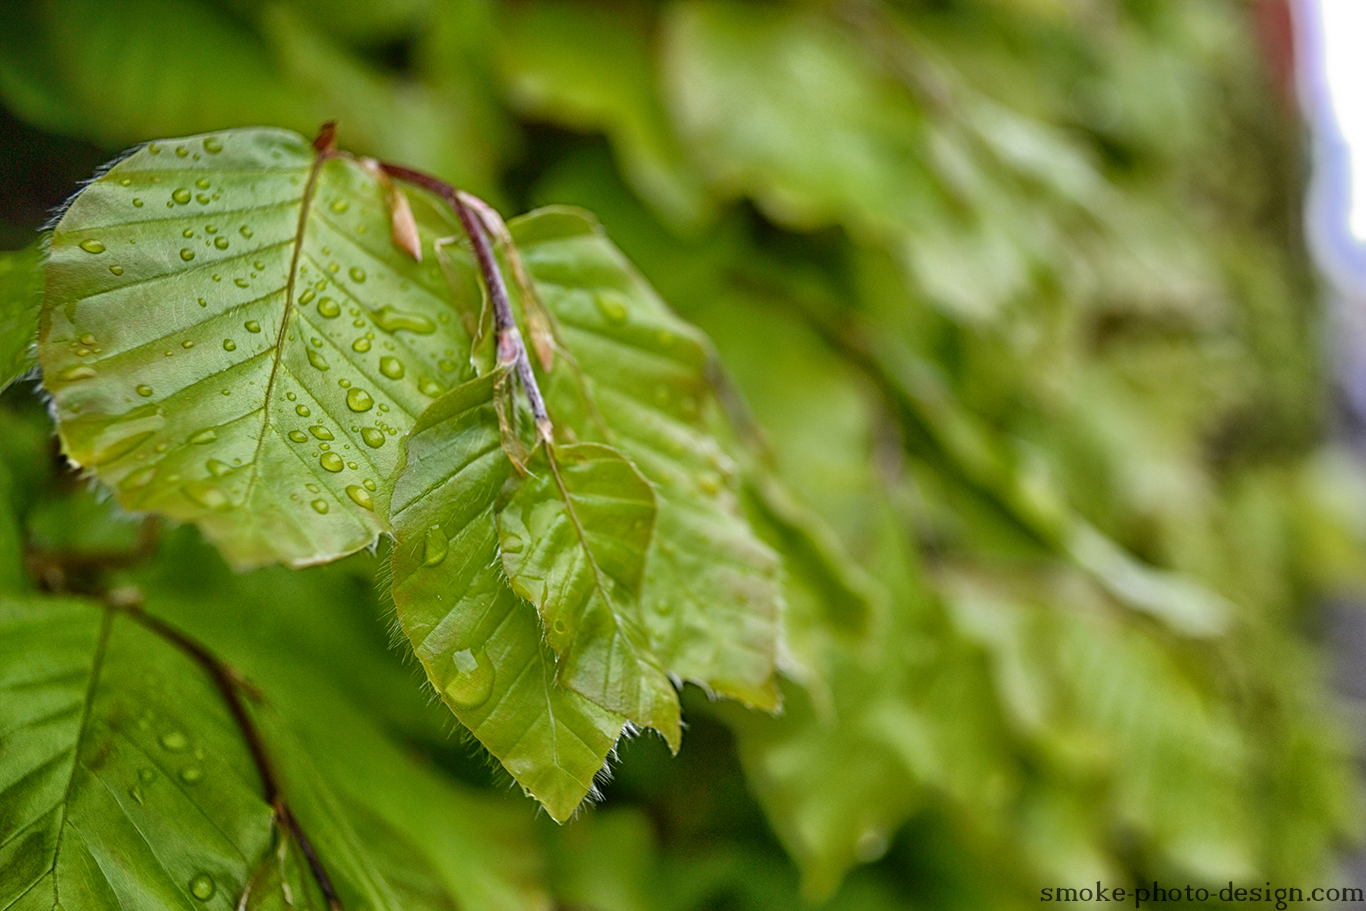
637	382
134	783
480	644
573	538
590	67
230	337
21	298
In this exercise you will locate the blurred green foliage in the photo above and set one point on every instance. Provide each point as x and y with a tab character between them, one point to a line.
1023	351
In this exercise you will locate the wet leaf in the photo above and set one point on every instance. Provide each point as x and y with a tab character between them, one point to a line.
230	337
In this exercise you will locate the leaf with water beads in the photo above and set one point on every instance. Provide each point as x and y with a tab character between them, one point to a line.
479	643
257	278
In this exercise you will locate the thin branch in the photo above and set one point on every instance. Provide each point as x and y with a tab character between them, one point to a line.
511	349
231	685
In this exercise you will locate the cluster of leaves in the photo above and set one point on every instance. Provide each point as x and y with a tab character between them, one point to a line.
1028	512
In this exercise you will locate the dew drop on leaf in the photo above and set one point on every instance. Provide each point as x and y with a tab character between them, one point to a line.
359	400
147	775
434	546
207	435
138	479
368	485
307	296
298	436
318	430
175	741
202	887
339	206
252	325
391	367
221	243
431	388
209	497
186	254
320	507
513	543
92	246
144	390
372	437
192	774
202	183
135	792
303	412
612	306
329	308
117	270
137	203
229	345
357	274
213	146
393	320
78	372
317	360
331	461
361	345
181	195
471	682
245	231
360	496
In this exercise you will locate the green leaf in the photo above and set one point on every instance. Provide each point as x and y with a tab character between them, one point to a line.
21	295
573	540
638	382
480	644
231	338
129	783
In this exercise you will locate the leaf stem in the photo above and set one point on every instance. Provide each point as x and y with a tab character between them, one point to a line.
231	685
511	349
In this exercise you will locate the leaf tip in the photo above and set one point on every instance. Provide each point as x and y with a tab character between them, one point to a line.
326	140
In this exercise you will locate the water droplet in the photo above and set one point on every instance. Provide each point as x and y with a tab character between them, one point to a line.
331	461
207	435
138	479
135	792
181	151
126	182
391	367
202	887
213	146
87	339
203	199
307	296
245	231
359	400
360	496
431	388
175	741
252	325
202	183
147	775
240	282
372	437
92	246
513	543
192	774
303	411
329	308
187	344
434	547
339	206
612	305
144	390
319	431
357	274
117	270
368	484
79	372
298	436
187	233
137	203
181	195
392	320
229	345
313	488
154	148
344	383
216	468
221	243
317	360
320	507
471	683
186	254
361	345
